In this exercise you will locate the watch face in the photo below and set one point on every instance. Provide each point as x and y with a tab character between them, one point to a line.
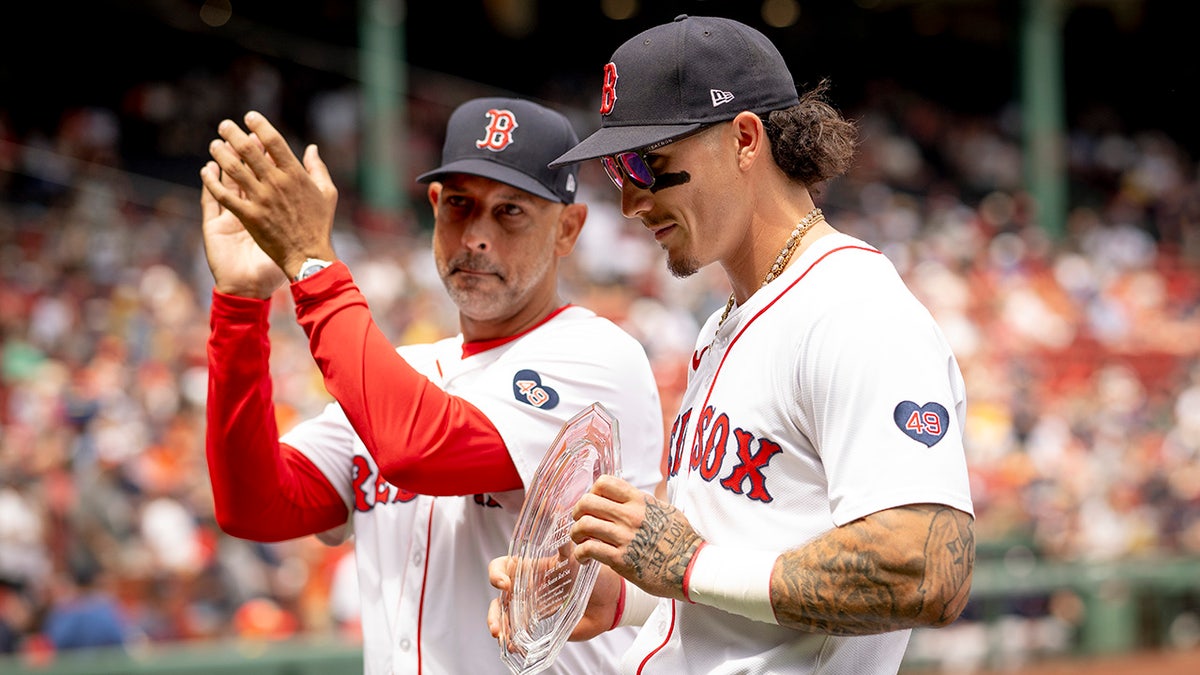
311	267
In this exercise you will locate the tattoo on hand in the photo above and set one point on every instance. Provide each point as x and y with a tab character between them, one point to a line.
663	545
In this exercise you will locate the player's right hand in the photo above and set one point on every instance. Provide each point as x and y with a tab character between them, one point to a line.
285	202
239	267
642	538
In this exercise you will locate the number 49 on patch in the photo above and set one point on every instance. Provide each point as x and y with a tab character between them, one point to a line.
925	423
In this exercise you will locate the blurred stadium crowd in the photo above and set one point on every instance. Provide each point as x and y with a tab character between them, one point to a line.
1081	353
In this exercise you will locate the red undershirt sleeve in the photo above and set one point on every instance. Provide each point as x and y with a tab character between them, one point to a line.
262	490
422	439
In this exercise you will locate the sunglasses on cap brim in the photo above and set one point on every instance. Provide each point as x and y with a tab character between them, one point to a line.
633	163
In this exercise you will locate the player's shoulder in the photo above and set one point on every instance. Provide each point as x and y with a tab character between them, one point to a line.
582	320
839	252
840	280
430	349
848	268
862	291
424	356
577	327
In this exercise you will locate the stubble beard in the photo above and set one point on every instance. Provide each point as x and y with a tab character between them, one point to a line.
682	266
475	296
474	300
496	297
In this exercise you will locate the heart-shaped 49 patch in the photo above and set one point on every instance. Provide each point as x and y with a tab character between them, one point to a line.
528	388
924	423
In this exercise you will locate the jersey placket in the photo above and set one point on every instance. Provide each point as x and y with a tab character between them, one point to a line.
406	638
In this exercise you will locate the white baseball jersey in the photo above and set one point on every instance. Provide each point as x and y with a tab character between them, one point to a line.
422	560
829	395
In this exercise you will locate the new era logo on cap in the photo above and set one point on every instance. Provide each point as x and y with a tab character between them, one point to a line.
509	140
719	97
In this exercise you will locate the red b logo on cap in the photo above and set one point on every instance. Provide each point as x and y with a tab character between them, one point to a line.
608	95
498	133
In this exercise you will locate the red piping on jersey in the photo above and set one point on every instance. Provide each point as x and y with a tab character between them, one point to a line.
479	346
424	584
713	384
762	311
664	642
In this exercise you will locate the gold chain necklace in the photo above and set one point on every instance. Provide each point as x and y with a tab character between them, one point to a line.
785	255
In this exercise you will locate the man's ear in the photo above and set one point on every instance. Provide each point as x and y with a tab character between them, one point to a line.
751	138
434	193
570	224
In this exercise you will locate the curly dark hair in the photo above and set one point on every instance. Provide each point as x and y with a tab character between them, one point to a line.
811	141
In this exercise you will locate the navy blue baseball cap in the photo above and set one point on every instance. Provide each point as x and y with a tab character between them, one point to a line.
509	140
670	80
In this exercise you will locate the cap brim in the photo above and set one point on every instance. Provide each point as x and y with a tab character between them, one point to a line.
612	140
494	171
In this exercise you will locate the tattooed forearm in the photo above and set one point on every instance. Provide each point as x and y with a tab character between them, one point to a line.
662	546
846	593
949	561
895	569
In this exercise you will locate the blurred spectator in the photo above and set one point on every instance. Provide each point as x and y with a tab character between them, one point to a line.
83	614
263	619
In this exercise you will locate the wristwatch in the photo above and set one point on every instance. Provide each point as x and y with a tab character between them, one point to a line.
311	267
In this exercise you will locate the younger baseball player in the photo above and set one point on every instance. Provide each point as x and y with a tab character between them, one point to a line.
425	457
818	499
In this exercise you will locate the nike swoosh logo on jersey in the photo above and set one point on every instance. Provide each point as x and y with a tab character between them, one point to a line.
696	356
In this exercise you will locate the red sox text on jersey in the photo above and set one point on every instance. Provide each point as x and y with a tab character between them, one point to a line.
709	446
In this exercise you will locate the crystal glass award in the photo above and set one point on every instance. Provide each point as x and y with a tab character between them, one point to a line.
549	588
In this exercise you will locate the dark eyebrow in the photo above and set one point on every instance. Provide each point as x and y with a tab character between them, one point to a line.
511	194
518	195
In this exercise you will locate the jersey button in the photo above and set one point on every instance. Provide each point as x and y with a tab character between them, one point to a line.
418	558
404	644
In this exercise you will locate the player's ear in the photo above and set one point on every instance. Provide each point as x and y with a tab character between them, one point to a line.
570	224
750	139
434	193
